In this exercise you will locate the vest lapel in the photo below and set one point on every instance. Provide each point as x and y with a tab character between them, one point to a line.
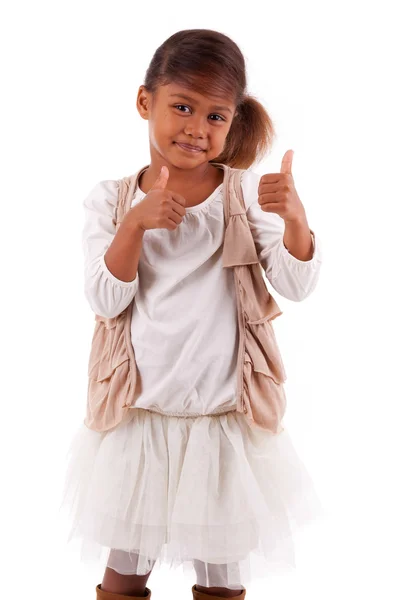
127	188
239	248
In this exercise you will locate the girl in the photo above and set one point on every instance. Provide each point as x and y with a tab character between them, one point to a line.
185	480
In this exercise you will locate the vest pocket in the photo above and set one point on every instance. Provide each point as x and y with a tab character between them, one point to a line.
263	351
109	374
108	350
264	375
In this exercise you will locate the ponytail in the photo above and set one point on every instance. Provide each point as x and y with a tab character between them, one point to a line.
250	137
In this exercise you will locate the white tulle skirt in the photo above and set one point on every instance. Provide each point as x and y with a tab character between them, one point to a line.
210	493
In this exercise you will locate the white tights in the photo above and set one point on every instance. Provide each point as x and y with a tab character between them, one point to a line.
208	574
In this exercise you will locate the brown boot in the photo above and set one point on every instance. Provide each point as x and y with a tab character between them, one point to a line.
102	595
201	596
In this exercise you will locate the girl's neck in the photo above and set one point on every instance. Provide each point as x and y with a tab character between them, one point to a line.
183	184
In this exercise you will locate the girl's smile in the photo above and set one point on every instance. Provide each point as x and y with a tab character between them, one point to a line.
189	148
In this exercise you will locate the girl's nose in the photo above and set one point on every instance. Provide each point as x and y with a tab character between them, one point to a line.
196	128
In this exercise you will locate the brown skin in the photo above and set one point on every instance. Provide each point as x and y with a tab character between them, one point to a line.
197	122
277	194
127	585
219	591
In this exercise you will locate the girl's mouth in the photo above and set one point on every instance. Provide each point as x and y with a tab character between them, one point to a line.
192	149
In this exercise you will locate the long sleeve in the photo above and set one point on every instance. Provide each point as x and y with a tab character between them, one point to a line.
107	295
292	278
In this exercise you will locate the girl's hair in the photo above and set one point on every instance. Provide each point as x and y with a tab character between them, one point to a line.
203	59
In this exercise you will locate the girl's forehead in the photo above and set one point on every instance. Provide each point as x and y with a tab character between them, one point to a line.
174	90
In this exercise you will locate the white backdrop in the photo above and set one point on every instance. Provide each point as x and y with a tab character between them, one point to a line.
326	72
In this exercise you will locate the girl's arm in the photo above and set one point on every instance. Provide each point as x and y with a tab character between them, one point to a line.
292	278
108	286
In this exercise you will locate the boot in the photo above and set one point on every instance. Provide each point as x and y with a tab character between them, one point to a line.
102	595
201	596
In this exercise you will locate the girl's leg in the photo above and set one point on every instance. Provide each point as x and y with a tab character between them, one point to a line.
128	585
120	575
212	579
221	592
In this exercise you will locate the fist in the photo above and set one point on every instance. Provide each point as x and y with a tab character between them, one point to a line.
277	193
160	208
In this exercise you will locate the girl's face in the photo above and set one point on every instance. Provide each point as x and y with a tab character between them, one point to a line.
178	115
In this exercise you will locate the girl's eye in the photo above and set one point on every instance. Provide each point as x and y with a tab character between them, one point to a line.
179	105
184	106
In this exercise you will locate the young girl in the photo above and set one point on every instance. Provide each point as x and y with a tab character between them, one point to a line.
186	480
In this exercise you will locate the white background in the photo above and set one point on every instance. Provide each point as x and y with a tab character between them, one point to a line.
328	76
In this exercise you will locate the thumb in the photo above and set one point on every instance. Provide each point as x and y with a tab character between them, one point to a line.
286	166
162	180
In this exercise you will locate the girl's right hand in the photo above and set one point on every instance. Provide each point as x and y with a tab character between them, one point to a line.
160	208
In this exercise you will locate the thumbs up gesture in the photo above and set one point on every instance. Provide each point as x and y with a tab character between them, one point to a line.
160	208
277	194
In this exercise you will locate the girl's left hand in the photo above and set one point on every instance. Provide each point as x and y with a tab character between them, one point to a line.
276	193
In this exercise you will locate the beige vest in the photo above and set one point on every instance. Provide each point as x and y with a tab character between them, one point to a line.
114	380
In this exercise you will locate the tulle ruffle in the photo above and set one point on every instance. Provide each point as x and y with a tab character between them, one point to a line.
209	492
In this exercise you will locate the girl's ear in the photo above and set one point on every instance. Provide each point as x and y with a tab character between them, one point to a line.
143	102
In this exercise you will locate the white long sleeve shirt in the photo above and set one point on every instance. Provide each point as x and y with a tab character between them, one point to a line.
184	323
